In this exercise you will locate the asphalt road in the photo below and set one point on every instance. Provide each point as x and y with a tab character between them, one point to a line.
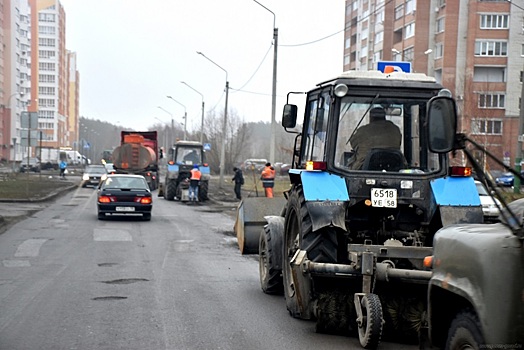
70	281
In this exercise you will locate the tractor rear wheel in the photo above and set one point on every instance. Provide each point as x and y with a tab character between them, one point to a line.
202	191
270	275
170	190
321	245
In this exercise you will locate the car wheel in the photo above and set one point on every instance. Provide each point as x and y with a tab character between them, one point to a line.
101	216
146	217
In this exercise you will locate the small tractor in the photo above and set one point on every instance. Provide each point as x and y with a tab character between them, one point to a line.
181	158
347	247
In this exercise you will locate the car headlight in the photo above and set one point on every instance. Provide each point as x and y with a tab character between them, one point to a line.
85	177
103	177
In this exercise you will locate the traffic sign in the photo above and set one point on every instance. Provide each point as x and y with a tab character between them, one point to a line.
397	66
207	147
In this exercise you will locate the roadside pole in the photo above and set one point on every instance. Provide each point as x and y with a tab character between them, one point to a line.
520	138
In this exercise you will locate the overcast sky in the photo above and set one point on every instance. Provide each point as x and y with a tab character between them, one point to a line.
132	54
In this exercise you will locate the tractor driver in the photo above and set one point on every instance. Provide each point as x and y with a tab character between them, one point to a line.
379	133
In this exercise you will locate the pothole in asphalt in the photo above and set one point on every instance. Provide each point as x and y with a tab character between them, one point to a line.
110	297
126	281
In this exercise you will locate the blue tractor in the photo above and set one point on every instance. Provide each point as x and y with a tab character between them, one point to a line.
347	247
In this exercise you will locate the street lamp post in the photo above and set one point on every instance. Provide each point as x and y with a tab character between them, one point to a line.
172	138
274	89
185	116
224	126
202	125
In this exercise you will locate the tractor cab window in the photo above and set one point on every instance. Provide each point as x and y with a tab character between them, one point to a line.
317	121
188	155
382	135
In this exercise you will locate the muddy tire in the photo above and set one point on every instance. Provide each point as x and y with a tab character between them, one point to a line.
202	191
321	245
269	269
370	328
169	190
465	332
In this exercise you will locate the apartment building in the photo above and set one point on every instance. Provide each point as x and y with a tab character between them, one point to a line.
475	48
14	77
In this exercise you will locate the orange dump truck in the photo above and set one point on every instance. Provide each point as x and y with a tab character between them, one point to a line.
138	154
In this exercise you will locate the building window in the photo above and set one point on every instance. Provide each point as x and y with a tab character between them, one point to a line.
46	30
408	54
46	102
46	42
486	127
46	17
494	21
46	78
409	30
379	17
364	34
377	56
522	50
355	5
46	53
379	37
440	24
48	66
489	74
46	90
346	60
410	6
348	43
439	50
492	100
491	48
399	12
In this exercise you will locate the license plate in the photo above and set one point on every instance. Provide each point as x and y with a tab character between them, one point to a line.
384	197
125	209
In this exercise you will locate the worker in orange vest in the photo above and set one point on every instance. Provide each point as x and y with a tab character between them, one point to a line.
268	180
194	182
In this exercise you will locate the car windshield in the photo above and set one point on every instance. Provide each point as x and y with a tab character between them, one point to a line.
96	170
188	155
481	189
126	182
401	147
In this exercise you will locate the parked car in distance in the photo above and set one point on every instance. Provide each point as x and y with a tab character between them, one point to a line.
254	164
506	179
32	165
490	205
124	195
93	174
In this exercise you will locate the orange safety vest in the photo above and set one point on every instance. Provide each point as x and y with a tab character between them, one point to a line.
268	173
195	174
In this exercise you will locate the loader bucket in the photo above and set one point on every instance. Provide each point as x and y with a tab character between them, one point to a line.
250	220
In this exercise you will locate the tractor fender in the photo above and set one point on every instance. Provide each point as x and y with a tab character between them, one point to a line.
326	197
458	200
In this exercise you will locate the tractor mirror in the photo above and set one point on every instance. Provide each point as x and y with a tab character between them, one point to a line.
441	124
289	116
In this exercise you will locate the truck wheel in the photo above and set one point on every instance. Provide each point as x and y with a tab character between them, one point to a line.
270	275
202	191
370	326
465	332
321	245
169	190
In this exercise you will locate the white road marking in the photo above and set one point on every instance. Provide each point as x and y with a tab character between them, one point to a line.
30	248
111	235
16	263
